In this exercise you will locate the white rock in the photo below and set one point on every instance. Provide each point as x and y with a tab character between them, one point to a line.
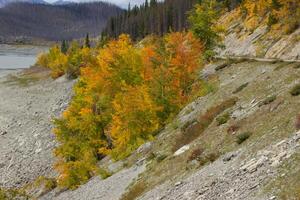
182	150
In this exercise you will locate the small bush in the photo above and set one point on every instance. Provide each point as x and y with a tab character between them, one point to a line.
188	124
297	66
268	100
272	20
104	173
233	128
196	153
161	158
295	91
208	157
297	124
243	137
223	119
151	156
240	88
222	66
212	156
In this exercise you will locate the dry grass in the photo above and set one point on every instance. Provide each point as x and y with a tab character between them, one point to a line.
27	77
297	124
194	130
137	190
196	153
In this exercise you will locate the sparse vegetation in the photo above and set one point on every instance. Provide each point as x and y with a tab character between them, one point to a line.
297	124
104	173
243	137
240	88
295	91
268	100
233	128
137	190
160	158
223	119
195	154
192	132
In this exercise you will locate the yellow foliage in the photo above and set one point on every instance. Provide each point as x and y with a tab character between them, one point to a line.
134	119
124	95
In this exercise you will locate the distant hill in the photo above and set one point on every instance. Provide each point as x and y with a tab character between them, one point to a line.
6	2
26	21
62	2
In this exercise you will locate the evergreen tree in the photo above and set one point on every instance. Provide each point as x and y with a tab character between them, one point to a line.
87	41
275	4
64	47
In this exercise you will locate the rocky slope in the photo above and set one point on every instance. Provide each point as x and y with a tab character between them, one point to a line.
265	165
260	42
26	142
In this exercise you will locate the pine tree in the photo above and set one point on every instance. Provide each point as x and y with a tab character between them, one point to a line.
275	4
87	41
64	47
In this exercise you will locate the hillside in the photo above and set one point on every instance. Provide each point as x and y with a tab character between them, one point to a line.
25	21
6	2
209	113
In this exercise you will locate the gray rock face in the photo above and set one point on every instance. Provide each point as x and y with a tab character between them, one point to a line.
249	45
111	188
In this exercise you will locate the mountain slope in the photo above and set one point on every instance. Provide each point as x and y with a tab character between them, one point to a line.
6	2
54	22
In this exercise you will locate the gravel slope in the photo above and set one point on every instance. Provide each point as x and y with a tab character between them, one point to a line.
26	142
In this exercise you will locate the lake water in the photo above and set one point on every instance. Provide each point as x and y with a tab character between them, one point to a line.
18	57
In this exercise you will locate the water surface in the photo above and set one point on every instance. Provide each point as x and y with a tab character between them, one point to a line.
18	57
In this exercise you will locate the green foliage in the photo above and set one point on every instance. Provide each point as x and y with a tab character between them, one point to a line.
87	41
272	20
104	173
268	100
203	24
295	91
160	158
242	137
64	47
223	119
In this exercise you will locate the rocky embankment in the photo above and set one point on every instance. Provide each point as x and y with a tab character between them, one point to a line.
238	41
26	142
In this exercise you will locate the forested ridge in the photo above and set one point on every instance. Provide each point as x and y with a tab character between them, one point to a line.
156	17
54	22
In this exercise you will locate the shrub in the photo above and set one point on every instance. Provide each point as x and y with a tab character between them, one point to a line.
297	66
295	91
243	137
223	119
297	124
233	128
272	20
208	157
221	66
240	88
268	100
196	153
161	157
212	156
104	173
